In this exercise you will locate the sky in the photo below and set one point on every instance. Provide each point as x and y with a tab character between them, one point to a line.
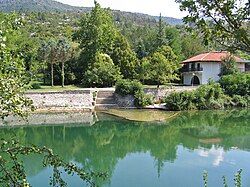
152	7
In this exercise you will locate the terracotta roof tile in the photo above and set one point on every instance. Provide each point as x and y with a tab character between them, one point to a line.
211	57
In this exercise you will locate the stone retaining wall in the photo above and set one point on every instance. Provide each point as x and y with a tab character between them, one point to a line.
162	92
125	101
81	99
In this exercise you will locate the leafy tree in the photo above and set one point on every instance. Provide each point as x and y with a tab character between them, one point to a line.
20	42
141	38
73	74
229	66
63	54
123	56
224	21
237	84
141	50
26	46
12	72
243	55
52	57
13	171
42	56
191	45
56	53
103	72
13	79
173	39
98	34
144	70
163	66
168	53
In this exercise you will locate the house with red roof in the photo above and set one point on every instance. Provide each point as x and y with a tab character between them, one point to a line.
203	67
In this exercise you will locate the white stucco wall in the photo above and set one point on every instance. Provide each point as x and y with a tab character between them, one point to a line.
187	77
241	67
211	70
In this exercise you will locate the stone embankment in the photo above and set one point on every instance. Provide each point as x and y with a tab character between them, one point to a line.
92	99
66	100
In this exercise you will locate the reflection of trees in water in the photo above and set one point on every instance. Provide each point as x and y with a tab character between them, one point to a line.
222	127
100	147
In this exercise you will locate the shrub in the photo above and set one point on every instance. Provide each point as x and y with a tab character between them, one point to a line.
229	66
127	87
142	99
240	101
180	101
209	96
122	87
136	86
35	85
238	84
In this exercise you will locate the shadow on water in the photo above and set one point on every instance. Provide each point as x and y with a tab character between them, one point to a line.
110	140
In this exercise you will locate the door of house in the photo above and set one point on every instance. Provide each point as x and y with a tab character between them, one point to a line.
195	80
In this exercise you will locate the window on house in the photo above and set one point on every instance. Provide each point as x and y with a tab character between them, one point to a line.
193	66
198	66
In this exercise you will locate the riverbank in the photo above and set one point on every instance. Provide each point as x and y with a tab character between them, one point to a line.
143	115
51	118
91	99
146	116
87	118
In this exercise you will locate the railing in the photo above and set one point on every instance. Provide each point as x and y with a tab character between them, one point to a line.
242	69
191	69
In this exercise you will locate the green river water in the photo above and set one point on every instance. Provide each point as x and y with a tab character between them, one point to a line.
170	153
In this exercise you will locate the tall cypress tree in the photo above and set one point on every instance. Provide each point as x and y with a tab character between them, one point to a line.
161	39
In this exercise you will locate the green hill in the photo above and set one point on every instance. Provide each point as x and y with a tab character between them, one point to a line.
54	6
37	6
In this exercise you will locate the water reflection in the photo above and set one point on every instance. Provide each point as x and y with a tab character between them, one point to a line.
192	141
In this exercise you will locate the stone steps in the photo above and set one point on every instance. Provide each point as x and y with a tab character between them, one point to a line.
104	94
108	100
105	106
105	100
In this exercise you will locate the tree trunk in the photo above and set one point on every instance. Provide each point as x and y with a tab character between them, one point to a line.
52	74
44	72
63	77
158	85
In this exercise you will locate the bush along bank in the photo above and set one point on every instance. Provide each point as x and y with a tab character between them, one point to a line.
126	87
231	91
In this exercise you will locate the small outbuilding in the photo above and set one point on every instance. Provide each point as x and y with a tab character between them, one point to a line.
207	66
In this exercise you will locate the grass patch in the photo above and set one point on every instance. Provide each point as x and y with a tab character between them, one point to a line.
55	88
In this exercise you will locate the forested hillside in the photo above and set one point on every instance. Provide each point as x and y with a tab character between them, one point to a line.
37	5
54	6
100	47
59	44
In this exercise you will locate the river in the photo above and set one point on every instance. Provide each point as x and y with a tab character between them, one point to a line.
173	152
